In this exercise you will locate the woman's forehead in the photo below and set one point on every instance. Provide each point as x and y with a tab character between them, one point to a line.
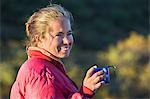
61	25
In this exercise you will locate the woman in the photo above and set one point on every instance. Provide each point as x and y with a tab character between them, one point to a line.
43	75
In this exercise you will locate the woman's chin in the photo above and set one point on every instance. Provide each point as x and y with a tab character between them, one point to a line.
64	55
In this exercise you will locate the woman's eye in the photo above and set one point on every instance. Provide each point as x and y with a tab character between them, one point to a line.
59	34
69	34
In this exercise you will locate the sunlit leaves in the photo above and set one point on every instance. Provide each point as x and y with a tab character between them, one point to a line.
131	56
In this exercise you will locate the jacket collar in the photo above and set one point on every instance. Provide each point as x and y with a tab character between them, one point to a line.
42	53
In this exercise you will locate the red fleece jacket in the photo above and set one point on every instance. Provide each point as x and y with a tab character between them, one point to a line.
42	77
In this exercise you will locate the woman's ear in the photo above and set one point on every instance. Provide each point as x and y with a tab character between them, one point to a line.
37	40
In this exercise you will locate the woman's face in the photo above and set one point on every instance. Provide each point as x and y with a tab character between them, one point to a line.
58	39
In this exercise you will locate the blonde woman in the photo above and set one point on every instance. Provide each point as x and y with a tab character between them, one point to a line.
43	75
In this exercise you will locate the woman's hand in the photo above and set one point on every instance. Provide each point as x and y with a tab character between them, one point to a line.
93	81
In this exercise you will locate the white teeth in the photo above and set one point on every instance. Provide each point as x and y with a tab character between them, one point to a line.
64	48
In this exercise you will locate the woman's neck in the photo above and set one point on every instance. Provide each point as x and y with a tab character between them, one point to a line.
45	52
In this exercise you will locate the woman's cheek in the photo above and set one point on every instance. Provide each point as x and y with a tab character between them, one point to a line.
58	41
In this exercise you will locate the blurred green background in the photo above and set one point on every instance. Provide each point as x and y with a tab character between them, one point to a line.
107	32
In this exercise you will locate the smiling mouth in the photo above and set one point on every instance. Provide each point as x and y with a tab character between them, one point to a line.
65	48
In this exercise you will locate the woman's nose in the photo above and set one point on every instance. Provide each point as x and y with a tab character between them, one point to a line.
66	40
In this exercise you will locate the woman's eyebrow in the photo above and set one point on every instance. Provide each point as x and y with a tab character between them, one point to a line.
70	31
60	32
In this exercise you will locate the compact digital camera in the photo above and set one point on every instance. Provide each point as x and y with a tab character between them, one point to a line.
106	69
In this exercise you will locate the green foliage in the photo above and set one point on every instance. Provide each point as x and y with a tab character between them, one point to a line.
131	56
12	56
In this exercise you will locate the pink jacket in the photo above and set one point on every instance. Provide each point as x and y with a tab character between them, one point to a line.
42	77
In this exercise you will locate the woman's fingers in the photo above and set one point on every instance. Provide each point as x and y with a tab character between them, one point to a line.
93	80
90	72
98	79
97	74
98	85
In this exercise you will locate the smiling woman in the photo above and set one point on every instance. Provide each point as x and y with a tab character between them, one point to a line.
60	37
43	75
50	29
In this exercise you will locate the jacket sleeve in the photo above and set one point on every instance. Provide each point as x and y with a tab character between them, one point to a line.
84	93
40	86
31	84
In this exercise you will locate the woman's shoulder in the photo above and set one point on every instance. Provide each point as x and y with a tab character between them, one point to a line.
34	66
34	74
37	65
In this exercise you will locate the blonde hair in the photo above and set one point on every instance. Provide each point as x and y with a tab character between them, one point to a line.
38	22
